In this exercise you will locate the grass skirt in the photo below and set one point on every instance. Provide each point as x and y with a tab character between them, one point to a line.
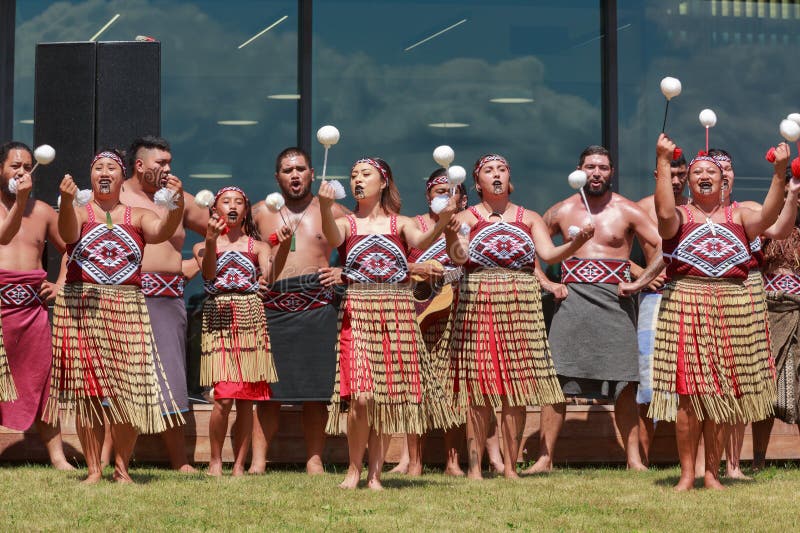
499	345
235	341
103	349
381	355
8	392
710	346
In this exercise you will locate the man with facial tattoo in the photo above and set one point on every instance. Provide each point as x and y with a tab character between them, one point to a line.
300	311
593	333
150	162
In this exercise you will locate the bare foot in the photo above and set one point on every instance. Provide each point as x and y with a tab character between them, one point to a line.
510	473
498	468
474	474
314	466
121	476
401	468
454	470
62	464
215	469
414	470
638	467
737	473
257	468
685	483
374	484
92	479
351	479
187	469
711	482
543	465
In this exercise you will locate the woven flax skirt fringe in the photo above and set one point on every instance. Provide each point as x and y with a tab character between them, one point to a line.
499	343
8	392
381	356
103	349
235	341
784	316
709	347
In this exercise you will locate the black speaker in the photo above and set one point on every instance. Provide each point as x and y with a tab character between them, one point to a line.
128	93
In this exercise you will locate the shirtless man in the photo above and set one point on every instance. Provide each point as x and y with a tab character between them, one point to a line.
301	313
162	279
593	333
649	301
25	225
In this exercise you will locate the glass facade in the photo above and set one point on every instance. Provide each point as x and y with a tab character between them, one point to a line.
400	77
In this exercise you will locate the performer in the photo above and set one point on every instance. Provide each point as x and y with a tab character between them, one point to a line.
104	359
782	282
236	357
708	370
429	268
649	301
302	294
163	281
24	293
499	351
385	379
593	333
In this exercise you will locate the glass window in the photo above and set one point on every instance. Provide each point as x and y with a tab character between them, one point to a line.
515	77
734	57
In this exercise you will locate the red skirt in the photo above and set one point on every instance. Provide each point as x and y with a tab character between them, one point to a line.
257	392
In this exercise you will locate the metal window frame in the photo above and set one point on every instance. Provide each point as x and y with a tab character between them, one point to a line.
609	103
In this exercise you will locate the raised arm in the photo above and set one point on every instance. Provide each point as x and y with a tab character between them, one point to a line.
206	253
69	227
782	228
457	243
335	230
9	226
157	229
278	252
194	217
666	211
756	222
416	238
545	248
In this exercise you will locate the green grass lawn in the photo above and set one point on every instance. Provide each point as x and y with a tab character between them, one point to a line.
37	498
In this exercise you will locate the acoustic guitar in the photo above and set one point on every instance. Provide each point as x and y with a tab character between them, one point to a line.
434	300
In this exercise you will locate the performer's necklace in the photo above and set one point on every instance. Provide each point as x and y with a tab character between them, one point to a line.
709	222
492	213
292	245
109	222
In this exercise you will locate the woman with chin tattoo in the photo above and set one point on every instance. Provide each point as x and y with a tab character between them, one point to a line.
499	353
385	379
709	368
104	359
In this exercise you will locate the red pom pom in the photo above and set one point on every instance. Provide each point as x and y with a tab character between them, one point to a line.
677	153
796	167
701	153
770	156
273	239
225	230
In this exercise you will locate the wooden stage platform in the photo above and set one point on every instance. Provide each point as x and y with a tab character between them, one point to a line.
589	436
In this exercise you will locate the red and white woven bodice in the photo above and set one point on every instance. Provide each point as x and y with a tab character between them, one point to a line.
500	244
106	256
436	251
708	250
236	272
375	258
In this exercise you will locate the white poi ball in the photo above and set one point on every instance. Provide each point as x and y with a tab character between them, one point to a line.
13	184
794	117
275	202
456	175
338	190
443	155
83	198
670	87
328	136
573	231
166	198
577	179
204	198
44	154
708	118
439	203
790	130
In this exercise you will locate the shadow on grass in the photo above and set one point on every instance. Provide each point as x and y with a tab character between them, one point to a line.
406	482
